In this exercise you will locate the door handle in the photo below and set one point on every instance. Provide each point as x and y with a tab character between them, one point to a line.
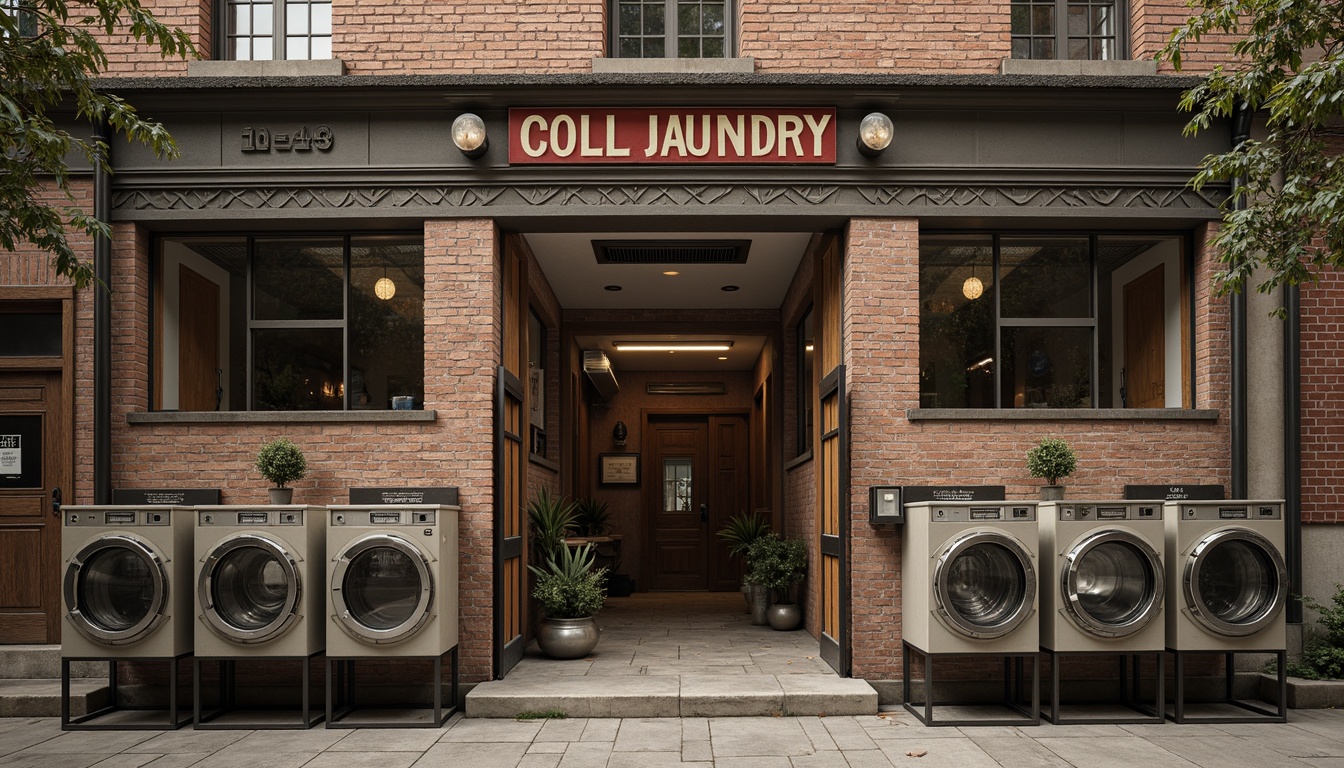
56	502
704	513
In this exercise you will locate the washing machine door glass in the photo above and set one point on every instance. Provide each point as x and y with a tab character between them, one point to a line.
1112	583
382	588
984	585
1235	582
116	590
250	587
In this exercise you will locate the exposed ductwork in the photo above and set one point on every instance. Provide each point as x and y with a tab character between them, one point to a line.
598	369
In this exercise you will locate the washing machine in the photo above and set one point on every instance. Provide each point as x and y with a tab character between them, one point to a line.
1103	577
969	577
393	580
259	581
127	583
1227	584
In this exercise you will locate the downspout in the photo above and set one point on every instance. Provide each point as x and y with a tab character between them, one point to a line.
1292	447
102	323
1241	131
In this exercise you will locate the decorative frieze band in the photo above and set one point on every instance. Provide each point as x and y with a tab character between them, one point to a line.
436	198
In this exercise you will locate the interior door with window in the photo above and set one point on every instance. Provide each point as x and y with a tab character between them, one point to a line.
679	507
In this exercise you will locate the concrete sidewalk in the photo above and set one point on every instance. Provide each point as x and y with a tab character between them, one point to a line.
1311	738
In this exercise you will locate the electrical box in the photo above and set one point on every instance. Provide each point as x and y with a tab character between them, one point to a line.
884	505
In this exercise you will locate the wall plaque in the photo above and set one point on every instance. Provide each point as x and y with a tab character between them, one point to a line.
1175	492
911	494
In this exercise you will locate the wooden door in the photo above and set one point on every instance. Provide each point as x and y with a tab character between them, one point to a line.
34	460
510	577
198	370
729	494
1145	341
678	504
833	506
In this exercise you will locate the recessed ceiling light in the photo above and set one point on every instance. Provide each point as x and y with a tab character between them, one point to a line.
672	346
723	357
730	288
611	287
671	273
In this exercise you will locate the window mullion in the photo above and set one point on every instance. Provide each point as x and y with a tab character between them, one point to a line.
1062	30
278	45
998	333
670	30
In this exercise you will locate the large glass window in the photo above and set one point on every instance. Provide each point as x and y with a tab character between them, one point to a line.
291	323
672	29
1067	29
1020	321
262	30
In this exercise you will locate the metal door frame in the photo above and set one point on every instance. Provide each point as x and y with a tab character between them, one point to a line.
835	650
508	651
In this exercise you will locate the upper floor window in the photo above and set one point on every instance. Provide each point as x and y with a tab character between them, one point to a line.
263	30
18	18
1053	321
290	323
672	29
1067	29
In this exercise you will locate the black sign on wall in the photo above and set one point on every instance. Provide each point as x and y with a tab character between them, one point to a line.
177	497
446	496
911	494
1175	492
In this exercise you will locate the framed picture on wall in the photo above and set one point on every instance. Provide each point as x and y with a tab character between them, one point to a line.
618	468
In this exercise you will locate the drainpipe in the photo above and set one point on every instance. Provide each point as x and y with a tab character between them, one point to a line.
1292	446
1241	131
102	326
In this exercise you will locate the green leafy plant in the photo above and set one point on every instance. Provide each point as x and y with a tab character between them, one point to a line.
281	462
1053	460
741	530
569	587
551	519
541	714
592	517
777	564
1323	653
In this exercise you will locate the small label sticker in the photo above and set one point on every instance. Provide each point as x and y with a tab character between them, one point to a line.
11	454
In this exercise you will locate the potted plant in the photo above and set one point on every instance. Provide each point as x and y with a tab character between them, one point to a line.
591	517
1053	460
552	520
569	593
779	564
281	462
738	533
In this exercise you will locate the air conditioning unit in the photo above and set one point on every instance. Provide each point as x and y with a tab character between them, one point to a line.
598	368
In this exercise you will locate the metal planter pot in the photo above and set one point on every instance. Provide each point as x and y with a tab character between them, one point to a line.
567	638
784	617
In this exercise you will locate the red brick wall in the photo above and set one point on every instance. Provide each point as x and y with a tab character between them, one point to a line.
1323	398
127	57
1151	24
461	353
881	327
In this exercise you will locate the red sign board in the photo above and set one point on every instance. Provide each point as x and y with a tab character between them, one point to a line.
672	136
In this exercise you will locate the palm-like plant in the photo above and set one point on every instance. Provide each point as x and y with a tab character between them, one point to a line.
551	519
741	530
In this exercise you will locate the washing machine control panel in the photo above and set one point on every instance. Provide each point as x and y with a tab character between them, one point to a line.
1103	511
257	517
980	512
1233	510
119	517
385	516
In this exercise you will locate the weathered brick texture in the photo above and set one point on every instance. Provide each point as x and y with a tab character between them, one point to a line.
128	57
1323	398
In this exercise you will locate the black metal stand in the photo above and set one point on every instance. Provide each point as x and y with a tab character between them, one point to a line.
105	719
1229	709
1013	687
1130	696
342	706
230	716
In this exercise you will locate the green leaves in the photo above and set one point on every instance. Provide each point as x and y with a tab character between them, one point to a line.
1288	66
49	62
569	587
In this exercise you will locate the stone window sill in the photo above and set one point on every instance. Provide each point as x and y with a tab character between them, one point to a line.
743	65
320	68
280	417
1062	414
1141	68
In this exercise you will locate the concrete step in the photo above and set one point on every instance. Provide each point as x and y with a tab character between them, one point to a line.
35	662
42	697
673	696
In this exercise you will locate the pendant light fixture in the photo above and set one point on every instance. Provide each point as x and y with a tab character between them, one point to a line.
972	288
384	288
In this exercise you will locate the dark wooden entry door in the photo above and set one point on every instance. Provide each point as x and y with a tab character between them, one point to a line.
833	506
510	577
34	460
1145	341
697	477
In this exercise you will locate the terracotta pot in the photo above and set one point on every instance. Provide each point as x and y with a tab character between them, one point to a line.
784	616
567	638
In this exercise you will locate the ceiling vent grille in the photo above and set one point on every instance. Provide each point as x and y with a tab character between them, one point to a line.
671	251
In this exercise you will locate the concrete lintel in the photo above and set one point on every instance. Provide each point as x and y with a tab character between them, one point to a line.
743	65
1067	68
318	68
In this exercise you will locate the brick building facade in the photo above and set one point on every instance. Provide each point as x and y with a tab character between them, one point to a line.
992	153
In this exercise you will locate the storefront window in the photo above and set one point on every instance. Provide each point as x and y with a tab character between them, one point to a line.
290	323
1051	322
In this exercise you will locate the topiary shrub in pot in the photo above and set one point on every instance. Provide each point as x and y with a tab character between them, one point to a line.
281	462
1052	460
569	594
779	565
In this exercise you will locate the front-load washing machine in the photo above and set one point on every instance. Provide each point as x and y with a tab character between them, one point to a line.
126	595
1228	584
127	585
1102	576
260	573
969	577
392	594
